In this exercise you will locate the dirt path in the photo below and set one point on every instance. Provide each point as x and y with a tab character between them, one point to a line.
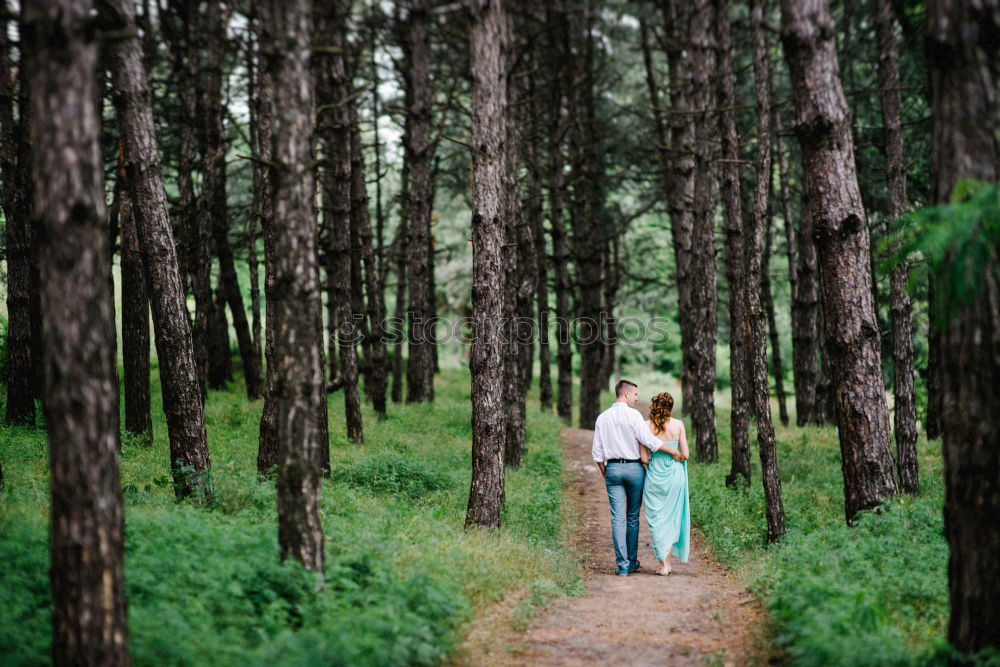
699	614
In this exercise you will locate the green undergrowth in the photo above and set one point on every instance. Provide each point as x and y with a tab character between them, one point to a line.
205	586
872	594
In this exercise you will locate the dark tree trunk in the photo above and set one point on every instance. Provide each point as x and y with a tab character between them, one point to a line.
267	446
182	401
841	234
334	132
902	319
375	382
135	325
419	150
23	354
757	343
589	237
932	422
253	223
220	361
399	314
963	55
739	473
81	389
534	209
556	192
298	376
490	185
791	251
702	342
767	299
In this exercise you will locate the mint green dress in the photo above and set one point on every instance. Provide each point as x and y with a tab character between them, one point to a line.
667	508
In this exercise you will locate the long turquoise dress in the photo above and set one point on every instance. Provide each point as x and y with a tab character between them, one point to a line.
667	507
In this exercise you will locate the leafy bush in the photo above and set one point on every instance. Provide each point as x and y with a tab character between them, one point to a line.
393	473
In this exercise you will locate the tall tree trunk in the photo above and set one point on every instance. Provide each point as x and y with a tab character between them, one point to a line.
419	155
81	388
902	318
490	185
135	326
589	238
963	55
253	223
534	209
375	382
702	342
555	177
767	298
298	376
267	446
23	379
757	356
401	247
182	401
334	120
739	473
804	288
841	235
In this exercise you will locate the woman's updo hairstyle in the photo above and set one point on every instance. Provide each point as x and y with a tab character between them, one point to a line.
659	412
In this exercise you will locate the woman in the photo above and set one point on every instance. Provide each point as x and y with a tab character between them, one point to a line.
665	495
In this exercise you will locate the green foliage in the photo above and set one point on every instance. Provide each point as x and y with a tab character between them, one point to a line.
957	240
402	574
874	594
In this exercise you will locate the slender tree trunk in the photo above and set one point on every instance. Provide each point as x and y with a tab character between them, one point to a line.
298	377
702	343
757	357
932	422
182	401
963	55
256	204
420	155
843	248
334	131
589	238
772	325
135	326
534	208
267	448
399	314
902	319
23	353
81	389
556	192
375	383
490	185
803	373
739	473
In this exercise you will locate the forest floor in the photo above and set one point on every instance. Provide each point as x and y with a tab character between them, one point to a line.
699	614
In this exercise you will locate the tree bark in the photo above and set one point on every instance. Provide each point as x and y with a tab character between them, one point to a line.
739	332
81	389
419	154
135	326
490	184
253	223
335	141
757	339
182	400
556	192
267	446
298	377
399	314
23	354
589	237
841	235
375	382
902	319
772	326
963	55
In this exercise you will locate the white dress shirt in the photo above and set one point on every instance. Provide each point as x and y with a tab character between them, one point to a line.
618	433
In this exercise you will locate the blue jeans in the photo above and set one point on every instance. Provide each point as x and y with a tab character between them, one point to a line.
624	482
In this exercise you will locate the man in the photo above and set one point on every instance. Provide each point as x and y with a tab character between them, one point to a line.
617	435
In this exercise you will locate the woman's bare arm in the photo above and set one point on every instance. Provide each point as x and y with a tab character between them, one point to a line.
683	441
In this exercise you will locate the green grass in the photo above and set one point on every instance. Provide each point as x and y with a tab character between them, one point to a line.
205	586
874	594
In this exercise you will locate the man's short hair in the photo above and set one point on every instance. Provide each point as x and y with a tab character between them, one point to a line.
621	386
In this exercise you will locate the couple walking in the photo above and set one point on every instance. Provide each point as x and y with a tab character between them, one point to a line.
644	462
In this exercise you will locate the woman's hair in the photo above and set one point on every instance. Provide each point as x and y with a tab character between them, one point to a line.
659	413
